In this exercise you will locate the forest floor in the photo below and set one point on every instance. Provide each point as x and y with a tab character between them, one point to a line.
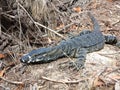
19	36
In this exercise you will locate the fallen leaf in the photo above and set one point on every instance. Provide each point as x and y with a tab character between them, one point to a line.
10	64
108	70
77	9
116	77
49	41
95	4
2	56
60	26
20	87
74	27
2	72
98	82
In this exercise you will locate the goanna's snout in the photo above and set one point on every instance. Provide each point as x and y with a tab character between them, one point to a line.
25	59
28	59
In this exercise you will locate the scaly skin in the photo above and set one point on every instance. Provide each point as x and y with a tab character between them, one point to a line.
78	46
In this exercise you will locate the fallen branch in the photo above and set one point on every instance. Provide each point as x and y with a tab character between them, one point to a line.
116	23
110	53
50	30
63	81
12	82
113	70
60	29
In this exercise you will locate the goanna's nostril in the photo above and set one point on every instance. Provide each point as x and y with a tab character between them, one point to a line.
21	60
24	59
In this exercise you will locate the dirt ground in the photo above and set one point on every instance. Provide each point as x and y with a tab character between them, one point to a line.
19	34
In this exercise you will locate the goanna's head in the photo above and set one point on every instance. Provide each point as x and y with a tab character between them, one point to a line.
31	56
37	56
26	59
34	57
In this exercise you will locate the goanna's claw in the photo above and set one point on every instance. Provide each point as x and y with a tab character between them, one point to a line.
118	44
77	65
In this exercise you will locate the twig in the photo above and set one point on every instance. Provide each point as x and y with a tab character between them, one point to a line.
60	29
110	53
4	87
12	82
0	20
50	30
65	82
36	23
19	20
116	69
113	79
116	23
8	15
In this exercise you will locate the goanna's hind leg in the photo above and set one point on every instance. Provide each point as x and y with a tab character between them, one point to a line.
118	44
110	39
80	54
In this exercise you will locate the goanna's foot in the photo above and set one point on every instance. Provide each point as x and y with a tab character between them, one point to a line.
77	65
118	44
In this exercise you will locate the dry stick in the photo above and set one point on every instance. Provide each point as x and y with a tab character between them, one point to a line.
36	23
116	69
50	30
116	80
61	29
110	53
4	87
18	11
0	20
116	23
8	15
65	82
12	82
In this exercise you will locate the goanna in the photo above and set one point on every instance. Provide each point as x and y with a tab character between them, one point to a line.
77	47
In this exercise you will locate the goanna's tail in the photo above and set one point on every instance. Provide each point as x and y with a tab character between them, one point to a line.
96	26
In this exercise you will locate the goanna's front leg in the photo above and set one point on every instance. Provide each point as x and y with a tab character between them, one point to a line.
80	54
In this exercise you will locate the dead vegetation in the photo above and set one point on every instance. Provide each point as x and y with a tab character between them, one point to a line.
29	24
